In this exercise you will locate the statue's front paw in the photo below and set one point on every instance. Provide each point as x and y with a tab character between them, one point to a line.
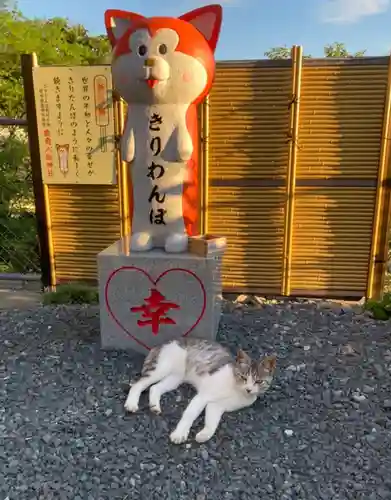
176	243
141	242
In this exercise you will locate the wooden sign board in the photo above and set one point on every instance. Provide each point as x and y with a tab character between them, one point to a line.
75	124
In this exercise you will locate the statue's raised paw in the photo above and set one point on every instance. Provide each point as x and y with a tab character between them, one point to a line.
127	144
184	144
176	243
185	154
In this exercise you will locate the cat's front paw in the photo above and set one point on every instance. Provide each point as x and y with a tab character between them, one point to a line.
179	436
203	436
156	409
131	406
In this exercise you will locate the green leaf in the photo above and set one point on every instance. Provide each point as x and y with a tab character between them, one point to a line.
379	313
336	49
55	41
371	304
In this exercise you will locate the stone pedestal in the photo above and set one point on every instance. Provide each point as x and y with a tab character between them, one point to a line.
148	298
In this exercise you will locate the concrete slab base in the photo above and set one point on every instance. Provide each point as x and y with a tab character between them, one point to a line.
148	298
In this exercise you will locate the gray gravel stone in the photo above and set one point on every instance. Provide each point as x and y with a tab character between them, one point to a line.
387	404
64	434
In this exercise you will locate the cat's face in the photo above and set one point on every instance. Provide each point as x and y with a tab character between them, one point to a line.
163	60
254	377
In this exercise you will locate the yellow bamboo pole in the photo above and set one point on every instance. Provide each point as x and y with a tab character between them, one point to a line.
52	264
380	194
122	170
201	169
117	131
125	176
205	166
297	58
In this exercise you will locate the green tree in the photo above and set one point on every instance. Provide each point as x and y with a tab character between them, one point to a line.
336	49
282	52
55	41
18	234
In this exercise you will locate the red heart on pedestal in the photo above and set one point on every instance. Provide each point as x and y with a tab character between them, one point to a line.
154	283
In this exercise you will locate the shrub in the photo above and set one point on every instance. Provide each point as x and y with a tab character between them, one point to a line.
72	293
18	233
380	309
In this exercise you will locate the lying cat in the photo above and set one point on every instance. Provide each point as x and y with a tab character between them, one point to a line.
223	384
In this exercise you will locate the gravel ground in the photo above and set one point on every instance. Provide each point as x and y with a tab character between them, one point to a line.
322	432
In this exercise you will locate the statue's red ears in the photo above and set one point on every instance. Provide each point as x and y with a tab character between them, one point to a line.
208	21
118	22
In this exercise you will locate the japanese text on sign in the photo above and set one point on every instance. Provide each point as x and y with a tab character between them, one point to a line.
45	120
87	122
156	171
60	124
154	311
75	124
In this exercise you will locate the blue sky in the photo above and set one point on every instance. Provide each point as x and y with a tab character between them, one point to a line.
250	27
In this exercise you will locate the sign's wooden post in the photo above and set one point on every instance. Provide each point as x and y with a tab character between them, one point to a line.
28	63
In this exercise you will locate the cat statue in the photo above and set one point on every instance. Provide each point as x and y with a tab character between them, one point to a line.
223	384
163	68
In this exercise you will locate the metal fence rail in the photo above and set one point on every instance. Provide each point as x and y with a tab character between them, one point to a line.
19	246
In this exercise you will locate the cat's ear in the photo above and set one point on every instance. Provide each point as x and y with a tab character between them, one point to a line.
242	358
268	363
208	21
118	22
